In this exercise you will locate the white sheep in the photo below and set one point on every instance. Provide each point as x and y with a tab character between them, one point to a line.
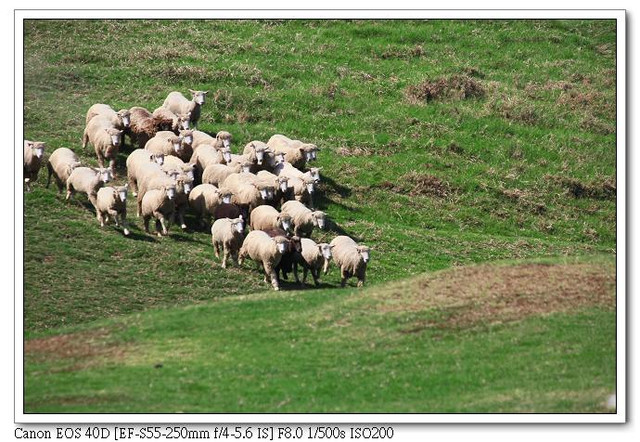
304	219
120	119
106	140
159	204
184	184
295	151
315	257
179	121
150	177
287	169
207	155
186	144
144	125
350	258
255	152
279	183
178	104
217	173
265	251
227	234
166	143
87	180
266	217
33	154
174	163
204	200
138	159
248	191
301	190
111	202
60	164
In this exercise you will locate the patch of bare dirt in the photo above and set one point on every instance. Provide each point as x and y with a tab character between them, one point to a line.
469	296
79	350
456	87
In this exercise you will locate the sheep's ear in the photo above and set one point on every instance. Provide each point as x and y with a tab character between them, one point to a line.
331	246
205	92
192	91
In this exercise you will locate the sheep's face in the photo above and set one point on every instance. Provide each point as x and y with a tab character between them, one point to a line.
285	223
105	175
187	187
259	155
325	250
315	174
310	186
224	137
115	136
183	121
198	96
158	158
281	243
227	156
264	194
283	183
279	157
364	253
177	144
226	198
319	218
125	116
122	193
189	173
38	149
246	168
171	192
187	137
314	154
237	225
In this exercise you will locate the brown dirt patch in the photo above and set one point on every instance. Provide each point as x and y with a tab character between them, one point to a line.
76	350
604	188
485	294
456	87
419	184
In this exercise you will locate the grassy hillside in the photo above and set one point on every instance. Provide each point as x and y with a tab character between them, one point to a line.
444	143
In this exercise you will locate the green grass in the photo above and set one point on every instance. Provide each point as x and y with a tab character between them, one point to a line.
525	170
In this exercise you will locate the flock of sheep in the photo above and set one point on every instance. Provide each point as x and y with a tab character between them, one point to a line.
268	188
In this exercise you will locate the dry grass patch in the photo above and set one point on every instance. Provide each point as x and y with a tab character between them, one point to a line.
486	294
455	87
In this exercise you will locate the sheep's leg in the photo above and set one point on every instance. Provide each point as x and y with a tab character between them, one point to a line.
139	204
225	255
146	223
305	271
93	199
344	274
133	185
295	273
85	138
49	173
361	278
100	218
241	257
180	214
70	191
163	222
315	273
114	215
112	166
216	249
268	270
125	225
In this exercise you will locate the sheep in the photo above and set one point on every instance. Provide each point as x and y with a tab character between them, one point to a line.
314	257
111	202
295	151
248	192
179	121
184	184
350	258
178	104
229	210
280	184
60	164
291	257
152	177
255	152
144	125
186	150
204	199
207	155
287	169
106	140
217	173
159	203
175	163
120	119
266	217
33	154
228	234
300	190
165	142
304	219
87	180
261	248
137	160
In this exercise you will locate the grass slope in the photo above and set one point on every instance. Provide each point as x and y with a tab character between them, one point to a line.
444	143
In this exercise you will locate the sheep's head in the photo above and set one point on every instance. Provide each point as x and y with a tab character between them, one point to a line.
116	136
282	183
188	170
237	225
124	115
121	192
279	157
296	244
315	174
104	174
225	197
309	151
187	136
226	154
284	221
176	142
309	183
37	148
282	243
319	219
184	184
325	250
170	192
364	253
198	96
266	191
157	158
224	137
259	149
246	167
184	120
